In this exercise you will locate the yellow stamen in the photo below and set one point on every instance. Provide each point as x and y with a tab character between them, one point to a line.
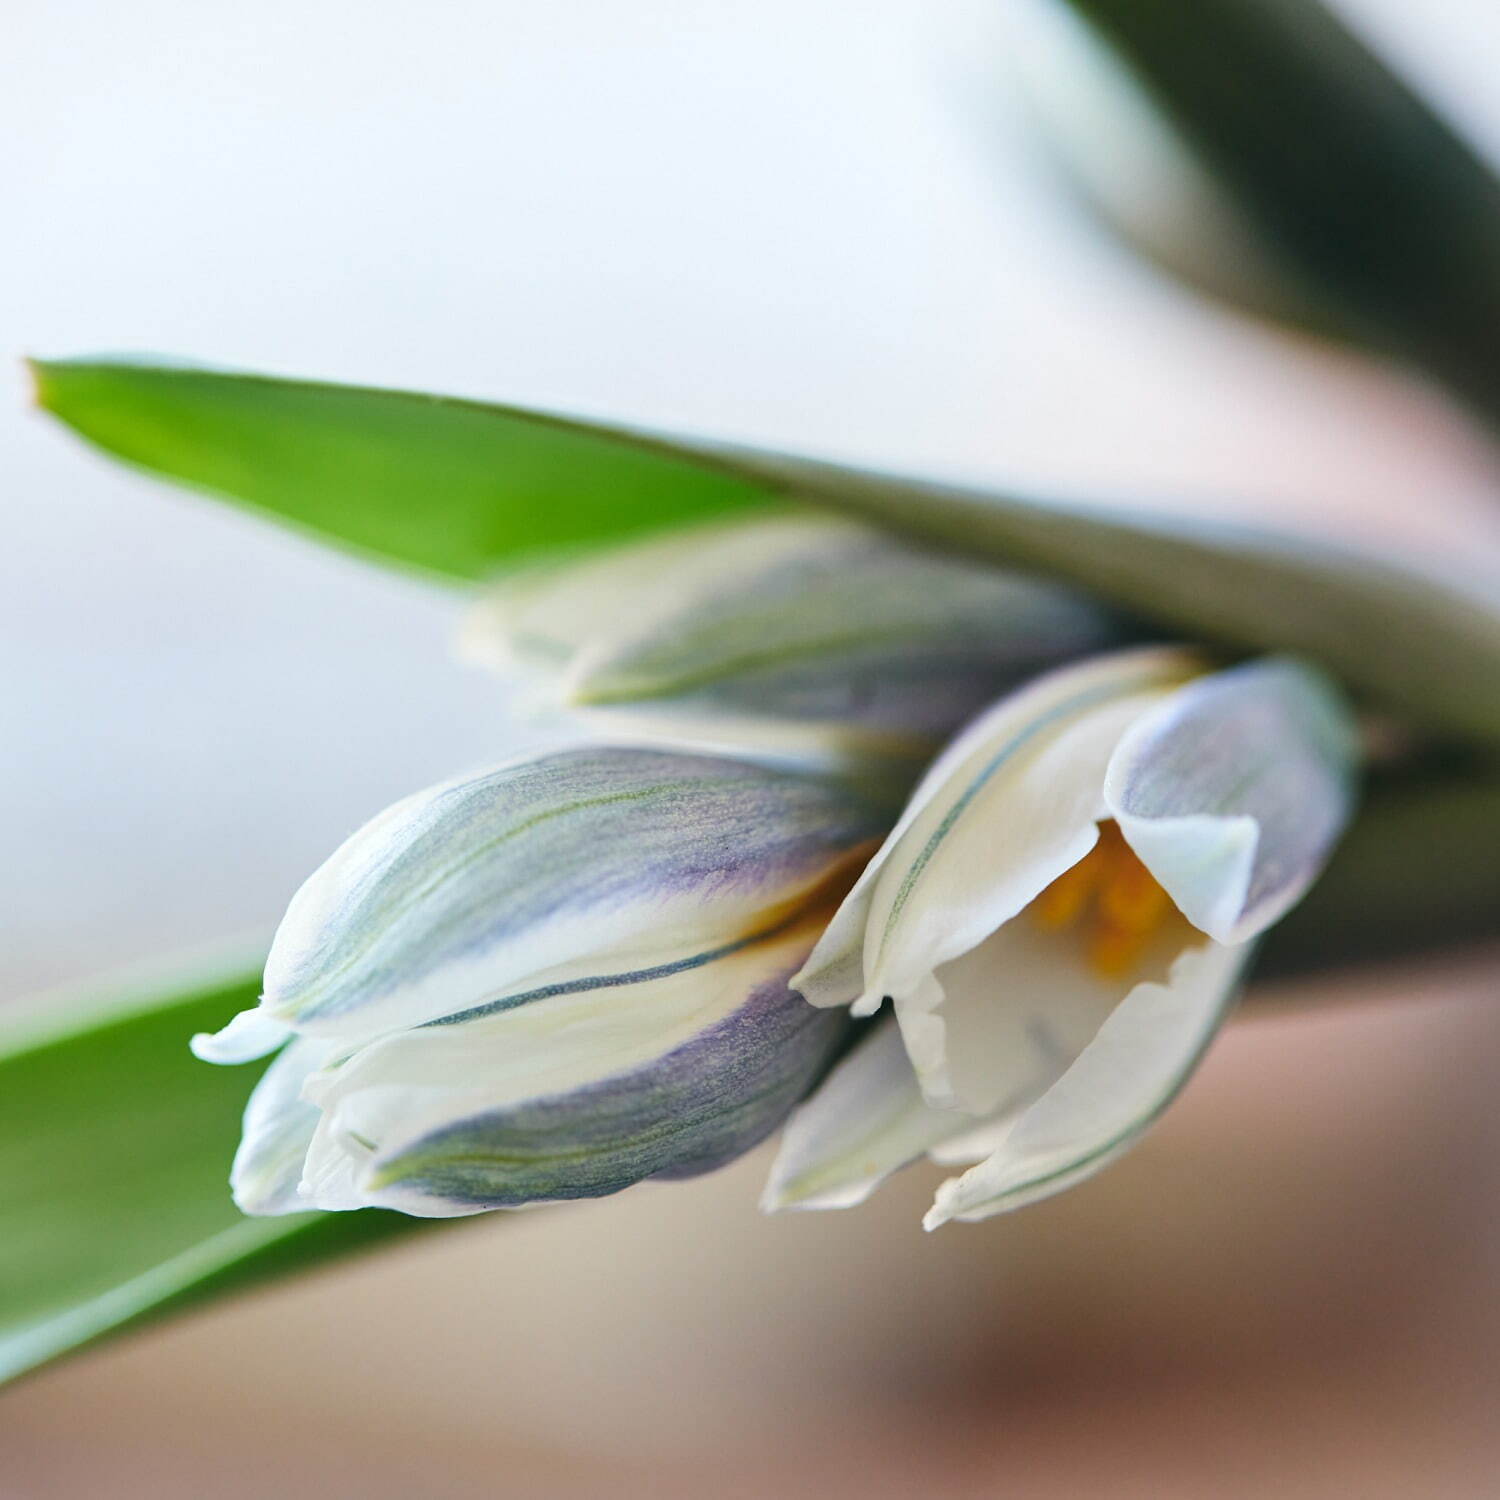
1062	903
1129	896
1117	899
1115	951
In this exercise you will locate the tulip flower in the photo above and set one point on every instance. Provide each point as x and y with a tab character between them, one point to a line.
546	981
1059	922
795	634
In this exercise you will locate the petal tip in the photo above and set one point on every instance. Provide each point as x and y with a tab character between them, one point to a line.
773	1200
251	1034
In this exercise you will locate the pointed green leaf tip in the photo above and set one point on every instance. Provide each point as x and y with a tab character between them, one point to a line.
449	486
114	1159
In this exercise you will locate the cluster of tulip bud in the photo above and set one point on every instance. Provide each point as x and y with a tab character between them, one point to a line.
911	854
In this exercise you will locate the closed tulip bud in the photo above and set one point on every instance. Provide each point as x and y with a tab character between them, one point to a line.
1059	922
794	634
546	981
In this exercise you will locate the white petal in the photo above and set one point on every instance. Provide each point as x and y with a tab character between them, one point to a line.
540	616
1014	1013
251	1034
799	634
1009	805
1234	790
583	1090
278	1129
1125	1077
834	973
866	1119
619	860
1012	804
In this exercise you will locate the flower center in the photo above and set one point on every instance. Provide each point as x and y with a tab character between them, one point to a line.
1113	897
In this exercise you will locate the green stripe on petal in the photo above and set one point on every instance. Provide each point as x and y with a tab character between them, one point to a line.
1008	807
584	1096
546	872
794	631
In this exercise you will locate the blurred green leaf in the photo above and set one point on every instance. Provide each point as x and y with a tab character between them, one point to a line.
461	486
1380	219
1415	874
115	1146
445	485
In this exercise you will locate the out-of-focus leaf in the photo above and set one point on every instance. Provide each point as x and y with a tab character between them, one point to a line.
1326	169
450	486
115	1146
1423	644
371	468
1416	872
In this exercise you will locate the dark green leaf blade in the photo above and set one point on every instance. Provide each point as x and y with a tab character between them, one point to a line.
1422	643
446	485
115	1145
1415	874
1380	214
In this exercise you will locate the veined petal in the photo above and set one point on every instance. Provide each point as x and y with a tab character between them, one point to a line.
1121	1082
1234	790
616	860
1011	804
1014	1012
278	1128
1229	787
542	614
594	1091
812	632
1017	1012
251	1034
866	1119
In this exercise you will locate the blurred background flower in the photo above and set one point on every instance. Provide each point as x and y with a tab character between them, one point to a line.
819	229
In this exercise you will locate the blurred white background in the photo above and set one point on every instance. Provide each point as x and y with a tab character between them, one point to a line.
812	225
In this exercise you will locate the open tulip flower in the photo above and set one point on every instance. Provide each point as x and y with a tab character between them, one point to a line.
1060	921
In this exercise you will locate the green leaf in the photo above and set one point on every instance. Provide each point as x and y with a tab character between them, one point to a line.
1415	874
1424	645
462	486
1376	213
445	485
115	1146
